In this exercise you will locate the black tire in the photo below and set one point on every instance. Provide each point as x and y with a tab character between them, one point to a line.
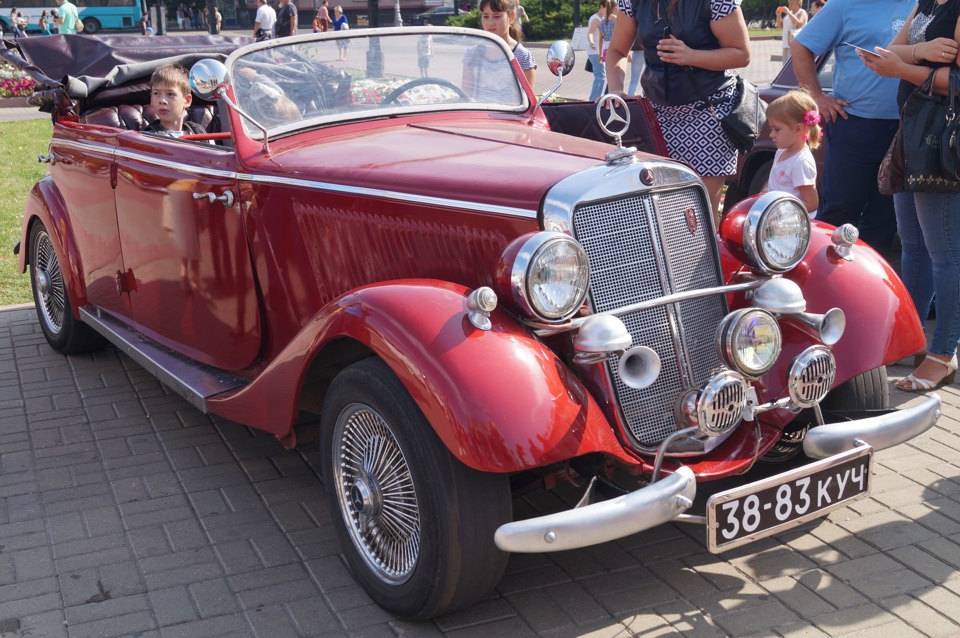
425	545
759	180
64	332
90	26
867	391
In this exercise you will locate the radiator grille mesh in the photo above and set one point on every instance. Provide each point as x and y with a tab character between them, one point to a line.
641	247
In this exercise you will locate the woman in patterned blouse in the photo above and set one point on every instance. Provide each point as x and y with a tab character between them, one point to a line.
690	47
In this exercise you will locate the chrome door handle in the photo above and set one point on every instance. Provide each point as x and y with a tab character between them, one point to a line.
46	159
227	198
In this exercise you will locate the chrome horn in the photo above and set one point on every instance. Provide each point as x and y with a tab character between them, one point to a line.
639	367
829	326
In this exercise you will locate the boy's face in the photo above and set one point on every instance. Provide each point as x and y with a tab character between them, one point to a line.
170	104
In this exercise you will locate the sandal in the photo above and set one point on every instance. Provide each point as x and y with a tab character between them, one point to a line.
911	383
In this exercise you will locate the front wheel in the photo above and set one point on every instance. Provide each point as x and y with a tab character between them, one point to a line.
416	525
64	332
90	25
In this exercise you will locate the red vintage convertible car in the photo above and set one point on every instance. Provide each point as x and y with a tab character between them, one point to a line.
466	297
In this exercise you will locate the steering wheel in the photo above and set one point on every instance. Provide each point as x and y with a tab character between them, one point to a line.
412	84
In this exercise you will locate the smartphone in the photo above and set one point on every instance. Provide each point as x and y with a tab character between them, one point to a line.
867	51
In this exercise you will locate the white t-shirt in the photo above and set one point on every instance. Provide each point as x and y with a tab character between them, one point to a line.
789	174
592	47
267	17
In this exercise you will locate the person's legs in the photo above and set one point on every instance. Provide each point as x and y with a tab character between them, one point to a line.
916	270
938	218
937	215
636	70
854	150
786	55
599	76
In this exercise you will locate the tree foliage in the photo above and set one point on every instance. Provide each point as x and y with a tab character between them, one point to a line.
761	12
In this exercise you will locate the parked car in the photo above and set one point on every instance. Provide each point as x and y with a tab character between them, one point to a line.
465	299
755	165
436	16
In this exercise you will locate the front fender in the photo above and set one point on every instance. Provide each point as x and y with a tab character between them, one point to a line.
882	322
500	400
45	203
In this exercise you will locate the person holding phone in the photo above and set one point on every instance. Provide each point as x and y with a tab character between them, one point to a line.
690	48
927	222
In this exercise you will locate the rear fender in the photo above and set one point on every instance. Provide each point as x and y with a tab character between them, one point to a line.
45	204
500	400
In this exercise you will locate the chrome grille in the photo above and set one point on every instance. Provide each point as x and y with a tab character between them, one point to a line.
640	248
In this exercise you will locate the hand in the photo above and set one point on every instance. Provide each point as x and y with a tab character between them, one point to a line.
887	64
830	108
674	51
939	50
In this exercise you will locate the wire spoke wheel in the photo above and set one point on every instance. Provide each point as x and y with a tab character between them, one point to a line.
48	284
376	493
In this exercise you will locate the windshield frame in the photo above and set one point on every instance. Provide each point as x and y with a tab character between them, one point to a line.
359	114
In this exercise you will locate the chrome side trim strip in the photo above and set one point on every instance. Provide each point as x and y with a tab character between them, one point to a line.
441	202
193	381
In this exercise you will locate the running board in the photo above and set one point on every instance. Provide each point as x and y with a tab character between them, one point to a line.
194	381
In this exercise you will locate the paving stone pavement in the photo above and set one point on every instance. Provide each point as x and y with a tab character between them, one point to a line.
124	511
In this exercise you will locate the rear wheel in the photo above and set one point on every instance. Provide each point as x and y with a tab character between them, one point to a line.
90	25
63	331
416	525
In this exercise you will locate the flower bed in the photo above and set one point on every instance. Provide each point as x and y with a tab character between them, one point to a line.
14	83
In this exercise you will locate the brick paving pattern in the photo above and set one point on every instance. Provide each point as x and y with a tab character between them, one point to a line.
126	512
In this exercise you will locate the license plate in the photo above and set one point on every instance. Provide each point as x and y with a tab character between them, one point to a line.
744	514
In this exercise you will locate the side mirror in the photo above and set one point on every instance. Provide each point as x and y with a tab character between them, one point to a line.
560	58
206	76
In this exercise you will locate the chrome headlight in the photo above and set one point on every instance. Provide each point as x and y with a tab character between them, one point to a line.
776	232
749	341
549	274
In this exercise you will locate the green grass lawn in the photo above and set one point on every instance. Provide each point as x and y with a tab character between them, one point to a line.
20	143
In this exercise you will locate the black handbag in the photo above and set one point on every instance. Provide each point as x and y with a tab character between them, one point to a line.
950	138
589	66
743	124
747	118
924	119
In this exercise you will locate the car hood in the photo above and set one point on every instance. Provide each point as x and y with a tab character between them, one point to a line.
490	161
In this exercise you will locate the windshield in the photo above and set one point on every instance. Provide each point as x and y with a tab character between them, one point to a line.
294	83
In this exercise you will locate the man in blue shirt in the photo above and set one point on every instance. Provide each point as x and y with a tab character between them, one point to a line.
860	117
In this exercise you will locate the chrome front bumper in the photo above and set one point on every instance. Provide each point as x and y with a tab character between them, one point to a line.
647	507
879	432
664	500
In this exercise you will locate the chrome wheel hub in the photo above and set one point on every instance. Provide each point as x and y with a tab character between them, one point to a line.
51	292
376	494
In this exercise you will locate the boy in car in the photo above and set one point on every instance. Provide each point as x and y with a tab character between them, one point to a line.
170	96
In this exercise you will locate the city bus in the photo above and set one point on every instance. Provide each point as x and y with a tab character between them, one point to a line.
94	14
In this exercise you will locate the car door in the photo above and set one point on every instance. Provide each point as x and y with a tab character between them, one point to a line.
81	164
183	241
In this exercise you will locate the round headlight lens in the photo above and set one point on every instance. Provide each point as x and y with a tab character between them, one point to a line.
750	341
557	278
777	232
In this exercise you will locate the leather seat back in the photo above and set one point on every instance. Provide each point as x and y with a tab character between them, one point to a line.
135	117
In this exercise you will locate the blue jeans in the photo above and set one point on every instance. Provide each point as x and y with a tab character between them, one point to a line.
599	76
848	194
929	227
636	70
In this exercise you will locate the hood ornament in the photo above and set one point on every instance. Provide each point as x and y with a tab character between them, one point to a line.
613	117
